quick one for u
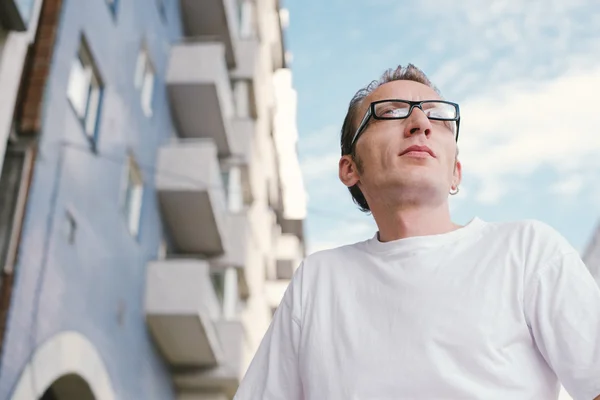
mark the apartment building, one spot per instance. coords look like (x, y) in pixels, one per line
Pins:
(156, 200)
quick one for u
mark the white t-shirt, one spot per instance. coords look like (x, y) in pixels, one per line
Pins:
(489, 311)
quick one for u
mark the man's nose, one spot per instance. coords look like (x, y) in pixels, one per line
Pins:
(417, 122)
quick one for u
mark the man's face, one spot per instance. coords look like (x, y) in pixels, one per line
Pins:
(385, 169)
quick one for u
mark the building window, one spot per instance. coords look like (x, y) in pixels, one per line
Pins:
(11, 179)
(134, 191)
(144, 81)
(85, 90)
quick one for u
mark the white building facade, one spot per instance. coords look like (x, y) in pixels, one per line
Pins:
(158, 208)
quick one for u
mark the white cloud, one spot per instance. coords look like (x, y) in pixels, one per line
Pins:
(496, 41)
(506, 135)
(457, 200)
(320, 167)
(509, 134)
(321, 140)
(319, 154)
(570, 186)
(489, 193)
(448, 71)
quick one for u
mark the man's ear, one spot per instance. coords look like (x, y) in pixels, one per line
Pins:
(348, 172)
(457, 174)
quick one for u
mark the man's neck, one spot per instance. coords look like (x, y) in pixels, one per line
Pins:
(405, 222)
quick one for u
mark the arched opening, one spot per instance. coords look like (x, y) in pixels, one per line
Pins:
(66, 366)
(69, 387)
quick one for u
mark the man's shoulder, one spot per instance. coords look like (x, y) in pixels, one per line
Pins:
(529, 229)
(332, 259)
(336, 253)
(532, 238)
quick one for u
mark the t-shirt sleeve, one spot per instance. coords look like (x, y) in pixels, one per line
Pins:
(563, 312)
(273, 373)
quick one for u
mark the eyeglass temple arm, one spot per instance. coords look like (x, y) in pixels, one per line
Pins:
(361, 125)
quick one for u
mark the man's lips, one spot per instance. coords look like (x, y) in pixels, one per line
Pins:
(418, 149)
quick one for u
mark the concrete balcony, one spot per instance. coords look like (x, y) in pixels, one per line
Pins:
(285, 268)
(248, 70)
(289, 254)
(200, 92)
(292, 226)
(239, 232)
(277, 44)
(236, 257)
(216, 18)
(244, 131)
(180, 307)
(192, 198)
(271, 32)
(227, 375)
(248, 59)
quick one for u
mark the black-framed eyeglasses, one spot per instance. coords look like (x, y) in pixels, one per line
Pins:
(437, 110)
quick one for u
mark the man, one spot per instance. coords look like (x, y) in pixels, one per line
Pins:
(427, 309)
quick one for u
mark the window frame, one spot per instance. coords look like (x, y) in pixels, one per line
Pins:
(86, 95)
(133, 197)
(145, 88)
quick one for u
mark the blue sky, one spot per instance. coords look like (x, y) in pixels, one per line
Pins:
(527, 77)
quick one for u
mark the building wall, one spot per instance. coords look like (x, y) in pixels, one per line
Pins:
(294, 197)
(267, 179)
(79, 267)
(11, 69)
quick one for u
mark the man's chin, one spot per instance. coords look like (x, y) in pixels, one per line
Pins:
(412, 180)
